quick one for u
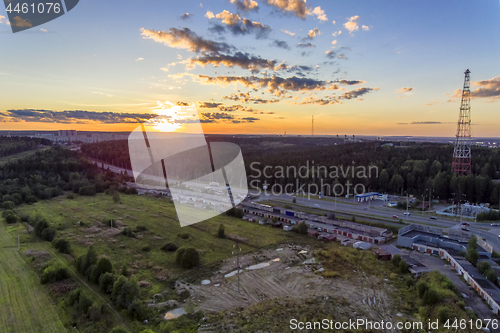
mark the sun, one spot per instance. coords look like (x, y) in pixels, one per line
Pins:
(165, 126)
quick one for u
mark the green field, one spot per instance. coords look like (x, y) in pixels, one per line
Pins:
(24, 305)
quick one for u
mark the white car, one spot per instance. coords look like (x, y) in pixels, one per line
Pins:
(316, 205)
(406, 213)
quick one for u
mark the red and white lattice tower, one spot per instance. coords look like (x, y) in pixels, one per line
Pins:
(462, 153)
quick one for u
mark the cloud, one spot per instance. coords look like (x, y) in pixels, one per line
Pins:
(432, 103)
(313, 33)
(334, 42)
(288, 32)
(247, 98)
(246, 5)
(320, 14)
(304, 45)
(208, 105)
(281, 44)
(330, 54)
(19, 22)
(186, 16)
(211, 117)
(239, 59)
(275, 85)
(336, 33)
(487, 88)
(423, 123)
(333, 22)
(351, 82)
(74, 116)
(351, 25)
(403, 90)
(242, 26)
(209, 15)
(43, 30)
(139, 59)
(228, 108)
(356, 93)
(2, 19)
(365, 28)
(185, 39)
(296, 7)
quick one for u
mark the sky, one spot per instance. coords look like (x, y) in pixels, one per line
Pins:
(256, 66)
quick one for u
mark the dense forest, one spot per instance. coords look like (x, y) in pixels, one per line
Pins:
(18, 144)
(398, 168)
(48, 173)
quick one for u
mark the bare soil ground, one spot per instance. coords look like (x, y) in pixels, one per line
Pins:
(289, 278)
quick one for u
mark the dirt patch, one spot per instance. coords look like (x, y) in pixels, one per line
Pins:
(286, 277)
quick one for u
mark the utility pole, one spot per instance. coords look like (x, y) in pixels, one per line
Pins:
(430, 200)
(406, 203)
(238, 263)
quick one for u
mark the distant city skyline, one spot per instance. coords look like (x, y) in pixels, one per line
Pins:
(257, 67)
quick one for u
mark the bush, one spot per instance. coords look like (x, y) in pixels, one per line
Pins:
(146, 248)
(483, 267)
(53, 273)
(106, 282)
(40, 226)
(87, 190)
(95, 312)
(11, 217)
(302, 228)
(431, 297)
(131, 190)
(183, 235)
(403, 267)
(220, 232)
(128, 232)
(491, 275)
(62, 245)
(187, 257)
(169, 247)
(74, 296)
(136, 310)
(48, 234)
(125, 291)
(70, 196)
(84, 304)
(119, 329)
(116, 197)
(236, 212)
(396, 259)
(8, 205)
(141, 228)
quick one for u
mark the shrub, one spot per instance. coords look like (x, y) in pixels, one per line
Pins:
(106, 282)
(141, 228)
(48, 234)
(119, 329)
(187, 257)
(220, 232)
(431, 296)
(116, 197)
(169, 247)
(443, 313)
(53, 273)
(70, 196)
(84, 304)
(87, 190)
(491, 275)
(483, 267)
(403, 267)
(183, 235)
(95, 312)
(131, 190)
(422, 287)
(40, 226)
(302, 228)
(146, 248)
(8, 205)
(125, 291)
(128, 232)
(74, 296)
(62, 245)
(11, 218)
(136, 310)
(396, 259)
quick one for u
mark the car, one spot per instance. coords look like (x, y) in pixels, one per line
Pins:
(394, 216)
(495, 224)
(433, 218)
(465, 229)
(465, 224)
(316, 205)
(407, 213)
(320, 229)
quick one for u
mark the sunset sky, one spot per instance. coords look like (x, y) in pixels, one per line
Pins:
(257, 66)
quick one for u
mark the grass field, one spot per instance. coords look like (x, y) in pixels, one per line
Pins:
(24, 305)
(80, 221)
(6, 159)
